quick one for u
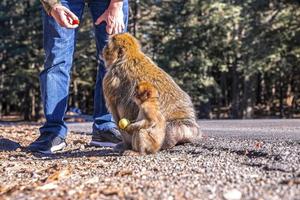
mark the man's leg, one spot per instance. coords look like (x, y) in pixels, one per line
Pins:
(59, 46)
(105, 132)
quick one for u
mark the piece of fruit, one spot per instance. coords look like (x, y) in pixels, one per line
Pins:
(75, 21)
(123, 123)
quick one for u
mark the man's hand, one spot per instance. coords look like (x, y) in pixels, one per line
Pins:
(113, 17)
(64, 17)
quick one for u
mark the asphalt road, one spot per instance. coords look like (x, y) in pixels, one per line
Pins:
(288, 129)
(237, 159)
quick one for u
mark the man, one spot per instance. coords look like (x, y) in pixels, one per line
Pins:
(60, 30)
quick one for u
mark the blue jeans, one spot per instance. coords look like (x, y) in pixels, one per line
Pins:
(59, 45)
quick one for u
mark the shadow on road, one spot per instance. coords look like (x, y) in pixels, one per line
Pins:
(77, 153)
(8, 145)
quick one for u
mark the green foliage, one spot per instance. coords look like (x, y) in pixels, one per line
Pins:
(228, 54)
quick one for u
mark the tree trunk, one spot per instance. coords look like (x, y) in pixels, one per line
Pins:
(27, 106)
(290, 100)
(33, 102)
(281, 97)
(249, 96)
(135, 16)
(223, 98)
(235, 102)
(75, 94)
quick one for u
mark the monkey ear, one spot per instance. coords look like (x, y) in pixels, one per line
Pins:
(121, 52)
(148, 93)
(112, 37)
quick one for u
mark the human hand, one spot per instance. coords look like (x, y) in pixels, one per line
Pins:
(64, 17)
(113, 17)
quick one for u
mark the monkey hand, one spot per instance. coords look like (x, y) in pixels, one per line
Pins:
(123, 123)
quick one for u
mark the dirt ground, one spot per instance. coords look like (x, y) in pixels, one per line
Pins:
(217, 168)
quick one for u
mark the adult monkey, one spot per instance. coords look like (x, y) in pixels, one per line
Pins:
(128, 66)
(60, 30)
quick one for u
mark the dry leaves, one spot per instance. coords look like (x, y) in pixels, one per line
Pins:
(7, 189)
(113, 191)
(49, 186)
(233, 194)
(93, 158)
(59, 174)
(75, 142)
(125, 172)
(258, 145)
(291, 182)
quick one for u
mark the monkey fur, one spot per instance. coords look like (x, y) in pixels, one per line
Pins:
(149, 129)
(127, 66)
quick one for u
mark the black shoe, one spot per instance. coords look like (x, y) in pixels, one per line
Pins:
(47, 143)
(107, 138)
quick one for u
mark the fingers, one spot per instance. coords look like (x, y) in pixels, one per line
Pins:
(61, 21)
(123, 27)
(101, 19)
(70, 14)
(120, 28)
(70, 17)
(113, 23)
(114, 27)
(109, 29)
(66, 21)
(117, 28)
(64, 17)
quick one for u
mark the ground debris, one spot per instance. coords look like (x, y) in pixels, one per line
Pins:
(59, 174)
(233, 194)
(48, 186)
(291, 182)
(124, 172)
(113, 191)
(218, 168)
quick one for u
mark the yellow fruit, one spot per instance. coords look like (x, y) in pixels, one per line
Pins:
(123, 123)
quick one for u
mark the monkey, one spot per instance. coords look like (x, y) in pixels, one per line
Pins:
(148, 131)
(127, 66)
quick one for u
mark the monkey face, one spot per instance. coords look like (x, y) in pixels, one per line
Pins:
(119, 47)
(144, 91)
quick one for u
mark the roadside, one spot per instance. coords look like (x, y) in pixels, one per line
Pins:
(253, 159)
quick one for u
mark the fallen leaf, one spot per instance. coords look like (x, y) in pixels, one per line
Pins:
(58, 175)
(258, 144)
(294, 182)
(75, 142)
(82, 147)
(93, 158)
(291, 182)
(8, 189)
(92, 180)
(125, 172)
(49, 186)
(233, 194)
(112, 191)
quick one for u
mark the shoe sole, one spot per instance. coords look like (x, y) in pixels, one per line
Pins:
(54, 148)
(102, 144)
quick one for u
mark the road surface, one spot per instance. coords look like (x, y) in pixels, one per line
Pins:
(288, 129)
(237, 159)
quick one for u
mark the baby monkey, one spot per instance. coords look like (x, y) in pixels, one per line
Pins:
(149, 129)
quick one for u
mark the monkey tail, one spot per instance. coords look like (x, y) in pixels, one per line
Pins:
(181, 131)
